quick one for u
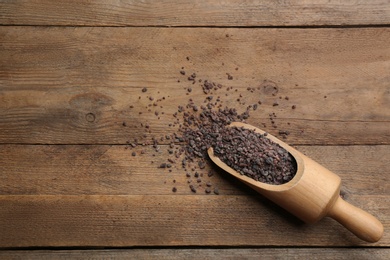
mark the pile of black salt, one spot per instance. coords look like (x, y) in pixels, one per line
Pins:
(246, 151)
(254, 155)
(204, 124)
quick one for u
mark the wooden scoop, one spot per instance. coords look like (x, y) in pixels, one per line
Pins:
(312, 194)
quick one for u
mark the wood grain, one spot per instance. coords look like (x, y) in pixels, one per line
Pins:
(71, 75)
(112, 170)
(74, 195)
(76, 85)
(199, 13)
(185, 220)
(209, 253)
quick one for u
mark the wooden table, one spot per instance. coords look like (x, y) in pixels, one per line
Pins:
(71, 104)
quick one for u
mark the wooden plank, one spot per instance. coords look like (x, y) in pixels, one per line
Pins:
(199, 13)
(168, 220)
(112, 170)
(76, 219)
(76, 85)
(209, 253)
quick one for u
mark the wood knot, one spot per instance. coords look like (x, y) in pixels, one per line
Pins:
(90, 117)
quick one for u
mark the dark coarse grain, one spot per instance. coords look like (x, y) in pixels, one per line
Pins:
(200, 131)
(162, 166)
(201, 125)
(254, 155)
(193, 189)
(247, 152)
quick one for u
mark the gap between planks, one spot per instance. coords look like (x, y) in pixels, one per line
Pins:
(204, 253)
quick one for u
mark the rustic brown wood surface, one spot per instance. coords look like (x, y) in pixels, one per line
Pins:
(71, 103)
(104, 169)
(231, 253)
(196, 13)
(53, 78)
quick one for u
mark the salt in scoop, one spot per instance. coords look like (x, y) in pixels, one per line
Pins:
(313, 193)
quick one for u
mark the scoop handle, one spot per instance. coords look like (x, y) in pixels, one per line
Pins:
(364, 225)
